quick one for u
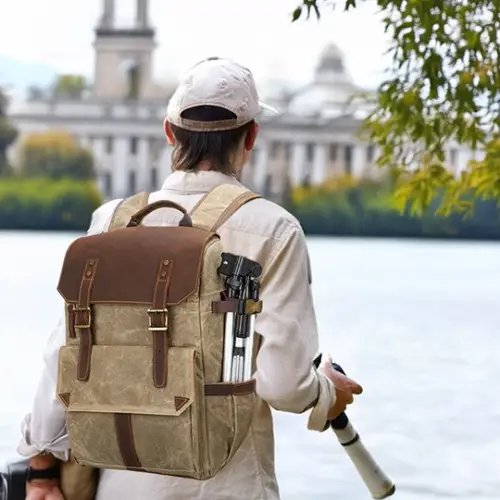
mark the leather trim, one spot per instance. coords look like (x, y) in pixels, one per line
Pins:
(128, 268)
(125, 437)
(228, 389)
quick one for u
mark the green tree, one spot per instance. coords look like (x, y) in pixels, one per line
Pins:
(8, 134)
(443, 84)
(69, 87)
(35, 93)
(55, 155)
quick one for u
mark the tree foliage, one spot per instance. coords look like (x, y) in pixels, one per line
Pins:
(55, 155)
(64, 87)
(36, 93)
(442, 87)
(71, 87)
(8, 134)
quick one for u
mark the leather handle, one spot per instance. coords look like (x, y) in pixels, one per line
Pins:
(136, 219)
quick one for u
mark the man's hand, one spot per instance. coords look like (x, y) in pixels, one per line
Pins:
(43, 490)
(345, 389)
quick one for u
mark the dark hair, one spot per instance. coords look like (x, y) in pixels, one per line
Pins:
(191, 148)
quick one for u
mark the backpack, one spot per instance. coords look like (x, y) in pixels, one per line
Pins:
(140, 373)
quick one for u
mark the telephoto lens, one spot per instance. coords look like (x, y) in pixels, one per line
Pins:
(13, 481)
(3, 487)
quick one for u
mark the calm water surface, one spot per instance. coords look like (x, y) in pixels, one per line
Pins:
(416, 323)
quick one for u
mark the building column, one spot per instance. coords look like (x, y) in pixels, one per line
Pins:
(260, 168)
(85, 142)
(143, 165)
(100, 164)
(319, 168)
(297, 164)
(247, 174)
(463, 158)
(164, 163)
(142, 14)
(120, 167)
(358, 160)
(108, 15)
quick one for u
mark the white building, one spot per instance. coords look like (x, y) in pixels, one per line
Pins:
(313, 138)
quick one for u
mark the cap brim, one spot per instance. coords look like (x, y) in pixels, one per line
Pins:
(267, 107)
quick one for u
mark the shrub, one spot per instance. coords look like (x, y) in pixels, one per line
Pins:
(44, 204)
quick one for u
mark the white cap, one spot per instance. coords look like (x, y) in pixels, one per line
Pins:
(216, 82)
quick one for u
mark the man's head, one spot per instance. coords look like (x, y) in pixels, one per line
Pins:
(211, 117)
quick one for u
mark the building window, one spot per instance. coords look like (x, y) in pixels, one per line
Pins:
(333, 152)
(132, 182)
(310, 152)
(108, 184)
(288, 151)
(370, 153)
(273, 150)
(133, 81)
(133, 145)
(254, 156)
(453, 157)
(348, 159)
(268, 186)
(154, 178)
(155, 147)
(109, 145)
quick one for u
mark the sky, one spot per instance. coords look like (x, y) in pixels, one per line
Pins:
(258, 33)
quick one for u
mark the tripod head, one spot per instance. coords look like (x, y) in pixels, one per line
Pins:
(237, 270)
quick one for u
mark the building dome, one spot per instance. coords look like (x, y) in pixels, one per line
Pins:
(331, 59)
(331, 88)
(330, 69)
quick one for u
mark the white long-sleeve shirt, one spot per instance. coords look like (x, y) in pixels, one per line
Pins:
(285, 379)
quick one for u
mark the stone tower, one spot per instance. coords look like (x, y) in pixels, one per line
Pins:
(124, 56)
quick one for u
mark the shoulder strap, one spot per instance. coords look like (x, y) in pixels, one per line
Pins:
(126, 208)
(218, 205)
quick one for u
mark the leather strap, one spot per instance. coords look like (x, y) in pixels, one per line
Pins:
(83, 319)
(228, 389)
(158, 324)
(71, 321)
(125, 438)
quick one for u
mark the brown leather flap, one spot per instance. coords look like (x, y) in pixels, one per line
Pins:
(128, 263)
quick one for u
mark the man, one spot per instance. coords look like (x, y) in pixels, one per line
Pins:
(211, 124)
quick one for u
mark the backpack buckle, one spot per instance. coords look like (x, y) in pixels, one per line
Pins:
(85, 319)
(161, 317)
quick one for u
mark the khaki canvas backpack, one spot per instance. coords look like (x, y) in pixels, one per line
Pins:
(140, 374)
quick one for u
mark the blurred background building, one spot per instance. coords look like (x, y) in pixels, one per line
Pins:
(120, 118)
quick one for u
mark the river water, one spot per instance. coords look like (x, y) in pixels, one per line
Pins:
(416, 323)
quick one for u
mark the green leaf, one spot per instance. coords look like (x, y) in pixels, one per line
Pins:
(442, 87)
(296, 14)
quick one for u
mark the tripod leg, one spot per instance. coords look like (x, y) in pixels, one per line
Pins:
(228, 348)
(247, 372)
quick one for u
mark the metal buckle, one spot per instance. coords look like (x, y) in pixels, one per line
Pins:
(87, 310)
(152, 328)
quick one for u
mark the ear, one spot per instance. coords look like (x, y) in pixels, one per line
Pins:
(168, 132)
(251, 136)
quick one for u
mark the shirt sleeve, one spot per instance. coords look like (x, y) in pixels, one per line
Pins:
(285, 377)
(44, 429)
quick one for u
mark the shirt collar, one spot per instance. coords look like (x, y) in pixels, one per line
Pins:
(197, 182)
